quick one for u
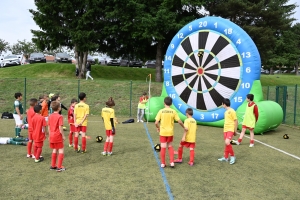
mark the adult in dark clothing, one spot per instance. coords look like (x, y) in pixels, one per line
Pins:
(88, 71)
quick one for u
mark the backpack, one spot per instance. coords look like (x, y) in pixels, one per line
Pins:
(7, 115)
(128, 121)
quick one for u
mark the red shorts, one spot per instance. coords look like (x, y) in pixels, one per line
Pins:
(109, 133)
(228, 135)
(188, 144)
(80, 129)
(39, 144)
(246, 127)
(165, 139)
(72, 128)
(59, 145)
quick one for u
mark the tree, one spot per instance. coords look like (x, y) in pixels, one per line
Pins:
(4, 46)
(23, 47)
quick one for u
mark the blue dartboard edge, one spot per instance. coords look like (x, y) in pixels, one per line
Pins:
(236, 42)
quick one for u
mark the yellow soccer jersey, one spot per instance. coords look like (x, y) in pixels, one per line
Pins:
(81, 109)
(191, 125)
(106, 114)
(229, 117)
(166, 116)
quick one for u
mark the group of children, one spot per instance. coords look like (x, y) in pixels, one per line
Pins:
(42, 126)
(164, 122)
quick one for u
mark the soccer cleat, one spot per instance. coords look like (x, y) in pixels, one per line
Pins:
(141, 121)
(172, 165)
(232, 160)
(109, 153)
(234, 142)
(61, 169)
(178, 160)
(251, 145)
(191, 163)
(39, 160)
(28, 156)
(137, 121)
(223, 159)
(70, 145)
(162, 165)
(104, 153)
(78, 150)
(53, 168)
(84, 151)
(32, 156)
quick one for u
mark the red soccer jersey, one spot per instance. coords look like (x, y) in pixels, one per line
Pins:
(30, 115)
(38, 126)
(71, 115)
(54, 122)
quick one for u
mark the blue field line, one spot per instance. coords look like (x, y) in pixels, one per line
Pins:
(168, 189)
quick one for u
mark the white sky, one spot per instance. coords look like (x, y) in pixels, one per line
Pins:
(16, 20)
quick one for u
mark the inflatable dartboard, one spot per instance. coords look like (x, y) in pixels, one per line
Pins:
(208, 60)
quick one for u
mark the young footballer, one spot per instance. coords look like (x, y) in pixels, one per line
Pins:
(141, 107)
(56, 137)
(164, 122)
(44, 103)
(108, 116)
(189, 137)
(30, 114)
(71, 121)
(81, 112)
(39, 133)
(250, 119)
(230, 129)
(18, 113)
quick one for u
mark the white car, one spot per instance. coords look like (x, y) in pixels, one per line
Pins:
(10, 60)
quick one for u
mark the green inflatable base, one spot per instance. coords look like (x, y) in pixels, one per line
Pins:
(270, 112)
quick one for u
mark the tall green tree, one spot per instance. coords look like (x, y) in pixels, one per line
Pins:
(4, 46)
(23, 47)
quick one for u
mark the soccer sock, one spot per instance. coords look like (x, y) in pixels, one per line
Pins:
(35, 151)
(29, 147)
(162, 155)
(18, 131)
(230, 150)
(75, 143)
(83, 141)
(53, 159)
(180, 151)
(226, 152)
(105, 146)
(240, 140)
(71, 137)
(60, 160)
(171, 154)
(251, 141)
(38, 153)
(111, 144)
(192, 155)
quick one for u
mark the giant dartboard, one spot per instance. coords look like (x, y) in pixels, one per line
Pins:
(208, 60)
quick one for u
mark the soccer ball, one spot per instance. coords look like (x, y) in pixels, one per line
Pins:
(64, 128)
(285, 136)
(157, 147)
(99, 138)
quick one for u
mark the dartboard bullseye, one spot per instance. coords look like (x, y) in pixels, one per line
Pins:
(208, 60)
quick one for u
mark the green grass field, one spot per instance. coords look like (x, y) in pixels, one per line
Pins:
(133, 171)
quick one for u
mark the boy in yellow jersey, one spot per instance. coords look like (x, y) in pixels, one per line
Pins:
(230, 129)
(250, 119)
(81, 112)
(108, 116)
(164, 122)
(189, 137)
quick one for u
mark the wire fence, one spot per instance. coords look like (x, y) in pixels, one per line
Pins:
(125, 93)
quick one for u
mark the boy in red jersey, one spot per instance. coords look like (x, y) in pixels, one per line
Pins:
(250, 119)
(30, 115)
(164, 122)
(230, 129)
(71, 121)
(108, 116)
(39, 133)
(189, 137)
(81, 112)
(56, 137)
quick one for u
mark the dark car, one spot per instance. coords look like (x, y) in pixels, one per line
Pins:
(37, 58)
(10, 60)
(150, 64)
(63, 58)
(113, 62)
(135, 63)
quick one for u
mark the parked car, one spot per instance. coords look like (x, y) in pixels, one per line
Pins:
(113, 62)
(63, 58)
(263, 71)
(277, 72)
(37, 58)
(150, 64)
(132, 63)
(10, 60)
(293, 71)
